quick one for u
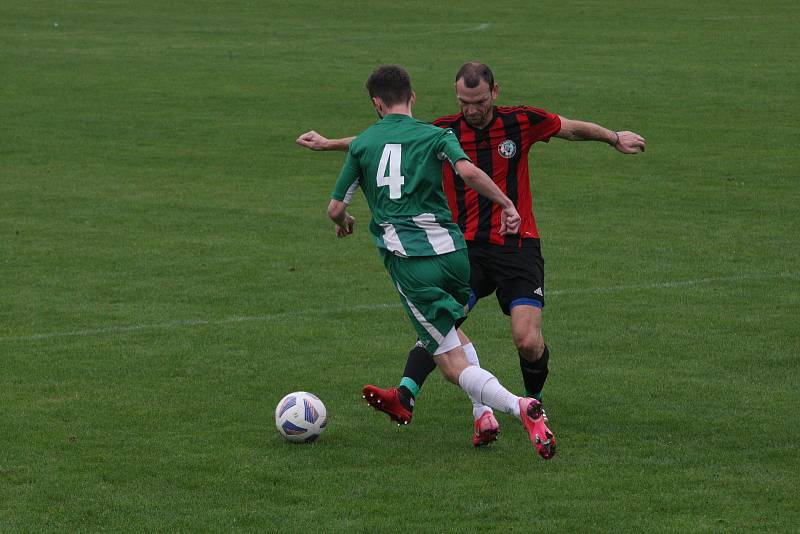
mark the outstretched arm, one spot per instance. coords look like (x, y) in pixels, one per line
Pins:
(315, 141)
(625, 142)
(479, 181)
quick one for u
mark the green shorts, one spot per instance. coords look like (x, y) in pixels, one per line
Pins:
(434, 291)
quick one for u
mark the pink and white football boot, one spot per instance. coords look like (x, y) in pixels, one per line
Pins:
(532, 416)
(486, 430)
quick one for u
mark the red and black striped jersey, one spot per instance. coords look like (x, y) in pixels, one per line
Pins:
(501, 151)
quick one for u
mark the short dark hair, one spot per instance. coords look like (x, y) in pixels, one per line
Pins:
(391, 83)
(473, 72)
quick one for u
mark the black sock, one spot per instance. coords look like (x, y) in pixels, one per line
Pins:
(534, 374)
(406, 398)
(418, 366)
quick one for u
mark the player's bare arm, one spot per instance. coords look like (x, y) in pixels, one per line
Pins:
(483, 185)
(624, 141)
(345, 223)
(315, 141)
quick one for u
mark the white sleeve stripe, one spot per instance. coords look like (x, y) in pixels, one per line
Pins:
(348, 196)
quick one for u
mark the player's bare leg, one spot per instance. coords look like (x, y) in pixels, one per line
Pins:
(534, 356)
(526, 330)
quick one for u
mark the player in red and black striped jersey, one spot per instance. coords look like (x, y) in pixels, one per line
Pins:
(498, 140)
(501, 147)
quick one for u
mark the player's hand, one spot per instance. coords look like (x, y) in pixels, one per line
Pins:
(313, 140)
(349, 226)
(630, 143)
(509, 221)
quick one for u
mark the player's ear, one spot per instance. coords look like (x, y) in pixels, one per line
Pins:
(378, 105)
(495, 91)
(413, 99)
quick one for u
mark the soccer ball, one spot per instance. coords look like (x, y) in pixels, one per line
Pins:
(301, 417)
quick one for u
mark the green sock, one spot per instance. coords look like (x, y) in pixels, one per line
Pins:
(410, 385)
(537, 396)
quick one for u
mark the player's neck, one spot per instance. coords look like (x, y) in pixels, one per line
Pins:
(398, 109)
(488, 121)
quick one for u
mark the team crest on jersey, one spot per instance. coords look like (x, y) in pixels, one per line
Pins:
(507, 149)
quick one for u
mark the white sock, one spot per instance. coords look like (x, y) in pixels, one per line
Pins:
(478, 409)
(482, 387)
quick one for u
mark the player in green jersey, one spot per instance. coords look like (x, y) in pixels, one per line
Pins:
(397, 164)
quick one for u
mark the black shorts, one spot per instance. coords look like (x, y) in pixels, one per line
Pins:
(516, 272)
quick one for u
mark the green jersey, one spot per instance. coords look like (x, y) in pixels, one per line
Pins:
(397, 162)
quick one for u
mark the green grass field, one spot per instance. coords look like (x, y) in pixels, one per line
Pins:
(167, 271)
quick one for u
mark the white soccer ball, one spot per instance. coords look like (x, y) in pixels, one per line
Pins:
(301, 417)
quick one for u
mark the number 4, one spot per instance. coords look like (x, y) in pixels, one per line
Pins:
(392, 154)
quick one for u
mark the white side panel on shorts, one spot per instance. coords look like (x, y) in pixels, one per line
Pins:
(435, 334)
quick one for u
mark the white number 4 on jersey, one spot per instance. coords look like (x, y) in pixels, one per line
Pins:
(392, 153)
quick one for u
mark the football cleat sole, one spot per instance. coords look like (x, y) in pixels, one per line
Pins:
(547, 447)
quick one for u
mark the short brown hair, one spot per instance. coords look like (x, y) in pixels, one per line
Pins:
(391, 83)
(473, 72)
